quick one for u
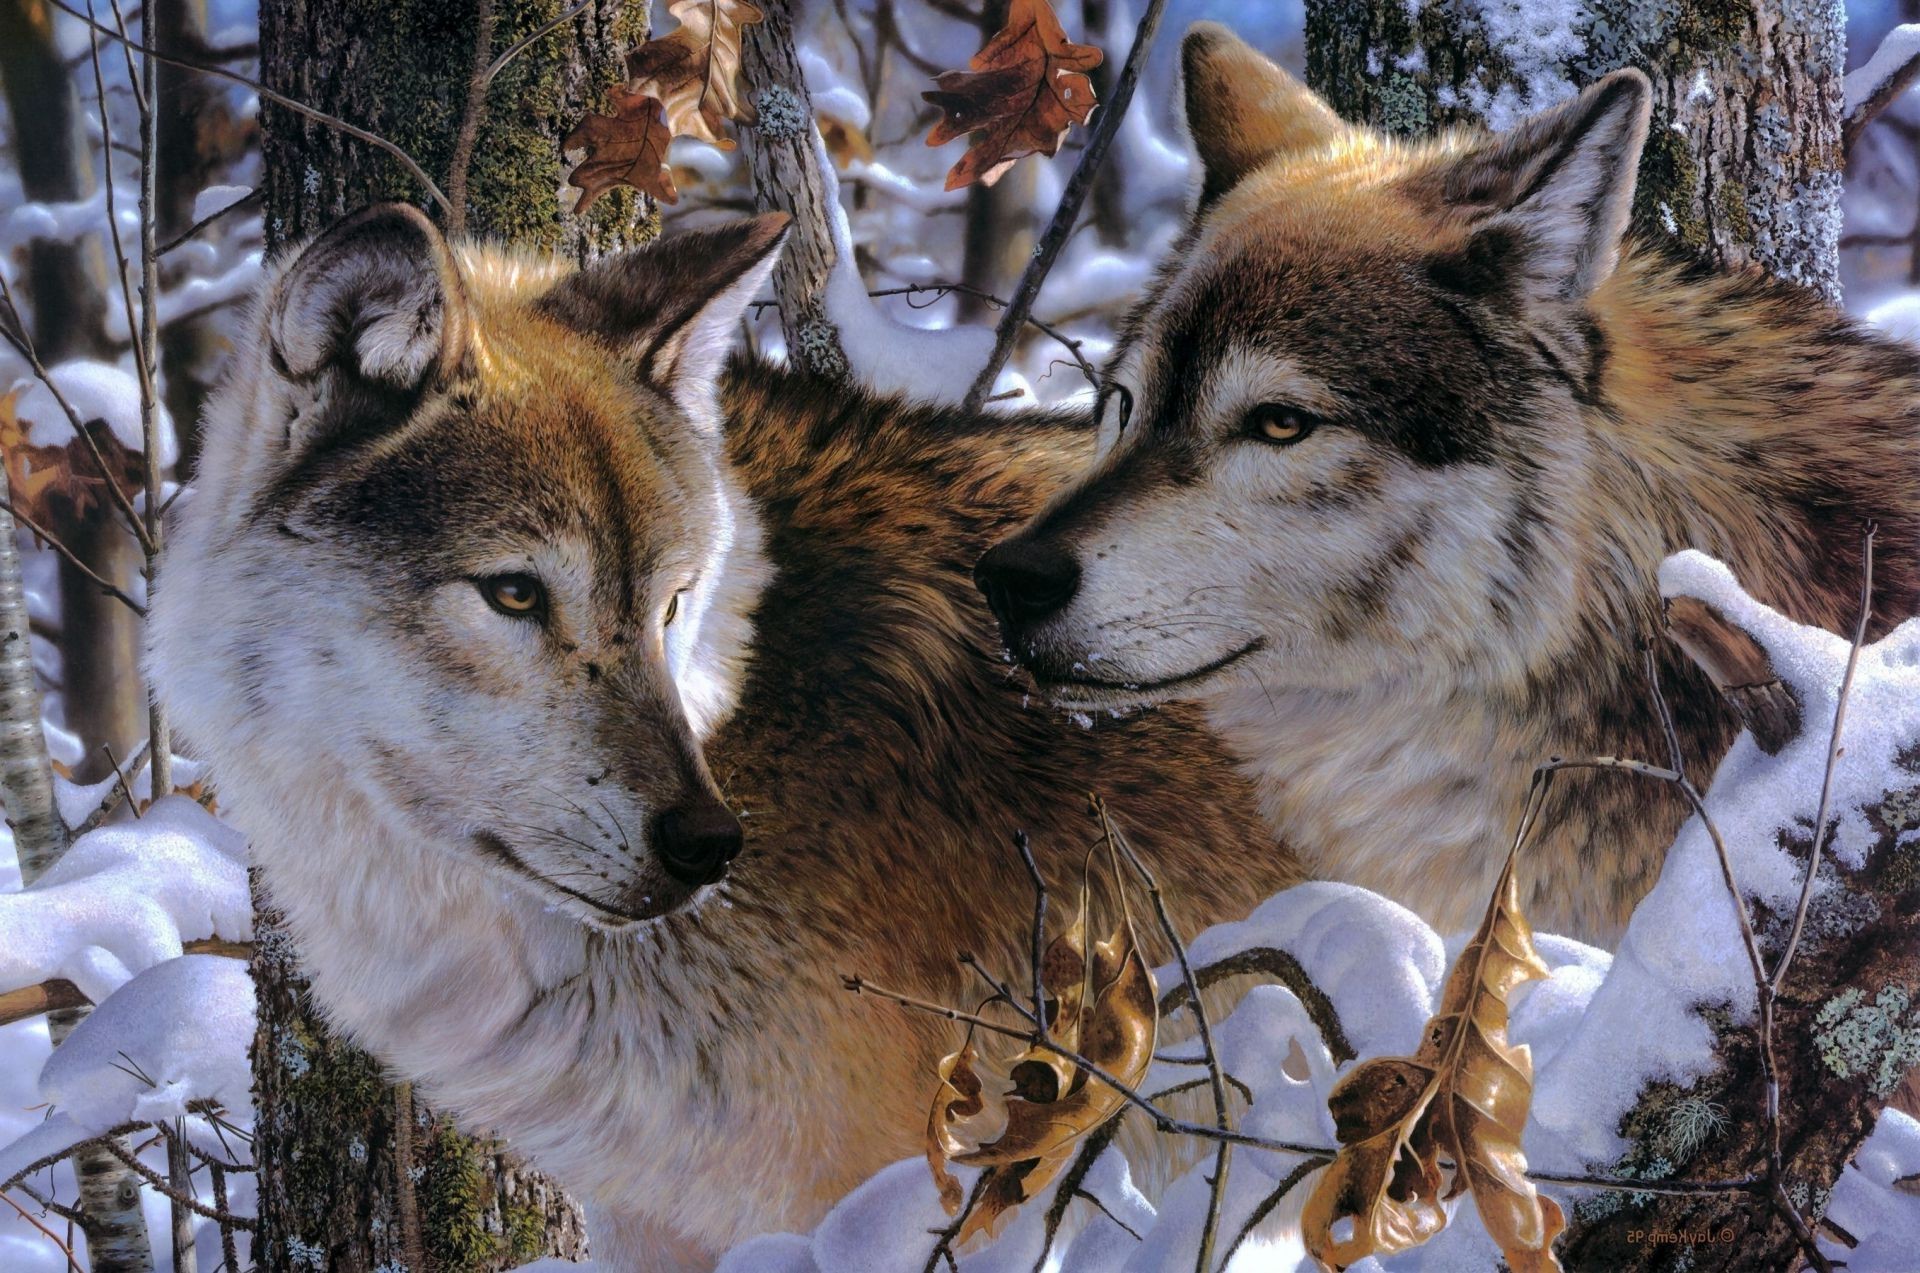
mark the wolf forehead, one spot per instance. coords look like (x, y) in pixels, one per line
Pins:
(539, 434)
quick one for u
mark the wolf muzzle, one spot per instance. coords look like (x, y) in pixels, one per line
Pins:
(1026, 582)
(696, 842)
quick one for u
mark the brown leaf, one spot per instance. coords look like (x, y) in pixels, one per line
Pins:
(627, 148)
(61, 484)
(1104, 1007)
(695, 70)
(1463, 1096)
(1026, 88)
(845, 143)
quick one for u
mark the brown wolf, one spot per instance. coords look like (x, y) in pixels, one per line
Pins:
(1388, 455)
(496, 638)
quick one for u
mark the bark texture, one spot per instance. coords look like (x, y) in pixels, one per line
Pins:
(1744, 158)
(784, 157)
(354, 1175)
(1845, 1035)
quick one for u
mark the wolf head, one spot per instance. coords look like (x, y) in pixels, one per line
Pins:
(1329, 436)
(462, 542)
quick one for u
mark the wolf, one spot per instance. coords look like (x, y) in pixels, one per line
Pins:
(592, 708)
(1388, 454)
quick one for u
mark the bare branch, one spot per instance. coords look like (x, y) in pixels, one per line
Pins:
(476, 111)
(1105, 128)
(1877, 84)
(180, 239)
(53, 541)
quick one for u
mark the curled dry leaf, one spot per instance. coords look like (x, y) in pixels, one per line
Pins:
(1026, 88)
(627, 148)
(1462, 1097)
(61, 483)
(1102, 1005)
(694, 70)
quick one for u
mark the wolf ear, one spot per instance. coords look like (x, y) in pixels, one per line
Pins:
(376, 295)
(671, 307)
(1561, 182)
(1242, 110)
(373, 311)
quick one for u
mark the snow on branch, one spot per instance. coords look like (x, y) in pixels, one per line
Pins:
(126, 897)
(1885, 76)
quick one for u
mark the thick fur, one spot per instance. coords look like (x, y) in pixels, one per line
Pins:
(1515, 417)
(452, 806)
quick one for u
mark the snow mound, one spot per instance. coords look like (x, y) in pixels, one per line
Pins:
(175, 1035)
(126, 897)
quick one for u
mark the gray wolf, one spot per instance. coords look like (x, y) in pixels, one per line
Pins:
(1388, 454)
(592, 709)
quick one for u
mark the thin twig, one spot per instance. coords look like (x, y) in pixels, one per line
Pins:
(121, 780)
(111, 800)
(476, 111)
(229, 1252)
(15, 331)
(1268, 1203)
(499, 64)
(943, 1249)
(334, 122)
(1025, 849)
(912, 290)
(73, 559)
(1105, 128)
(1223, 1157)
(158, 1183)
(66, 1248)
(1833, 756)
(180, 239)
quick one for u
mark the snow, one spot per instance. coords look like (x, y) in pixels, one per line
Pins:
(1901, 46)
(96, 391)
(125, 897)
(1600, 1027)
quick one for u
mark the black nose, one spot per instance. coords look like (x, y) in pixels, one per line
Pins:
(1026, 580)
(697, 841)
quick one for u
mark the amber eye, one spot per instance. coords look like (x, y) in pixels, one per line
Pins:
(516, 596)
(673, 610)
(1125, 395)
(1278, 424)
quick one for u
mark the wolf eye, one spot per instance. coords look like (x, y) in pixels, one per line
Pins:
(1278, 424)
(517, 596)
(1126, 404)
(673, 610)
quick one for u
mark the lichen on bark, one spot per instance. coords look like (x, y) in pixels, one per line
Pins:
(1743, 159)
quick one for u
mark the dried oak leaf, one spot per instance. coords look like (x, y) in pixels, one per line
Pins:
(694, 70)
(1102, 1004)
(1462, 1097)
(627, 148)
(1026, 88)
(62, 483)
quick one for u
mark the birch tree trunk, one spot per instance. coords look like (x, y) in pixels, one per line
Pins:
(354, 1174)
(100, 646)
(1744, 157)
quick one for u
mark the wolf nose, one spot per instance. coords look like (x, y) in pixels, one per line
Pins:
(696, 842)
(1026, 580)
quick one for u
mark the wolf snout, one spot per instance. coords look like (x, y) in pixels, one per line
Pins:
(697, 841)
(1026, 581)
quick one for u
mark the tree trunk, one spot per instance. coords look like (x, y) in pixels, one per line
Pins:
(1744, 157)
(353, 1174)
(784, 156)
(99, 642)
